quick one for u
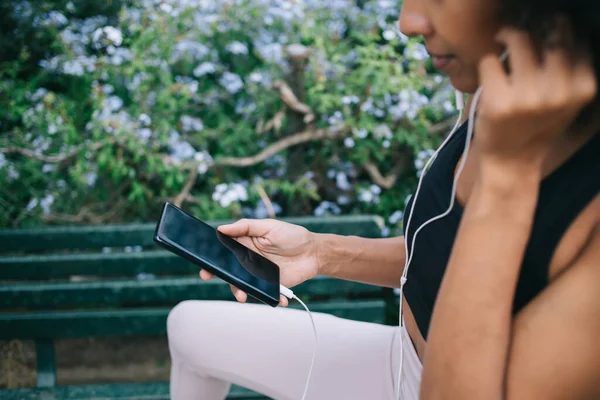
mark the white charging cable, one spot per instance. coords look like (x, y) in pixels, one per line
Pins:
(290, 295)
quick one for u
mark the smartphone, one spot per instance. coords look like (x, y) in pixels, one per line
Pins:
(201, 244)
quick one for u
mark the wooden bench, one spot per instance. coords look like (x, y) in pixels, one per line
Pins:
(40, 300)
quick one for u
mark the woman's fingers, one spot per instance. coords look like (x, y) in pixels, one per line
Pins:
(559, 71)
(585, 85)
(240, 295)
(495, 83)
(205, 275)
(283, 301)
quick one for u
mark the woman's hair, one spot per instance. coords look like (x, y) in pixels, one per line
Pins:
(541, 18)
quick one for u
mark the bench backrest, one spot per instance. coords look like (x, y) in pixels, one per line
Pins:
(113, 280)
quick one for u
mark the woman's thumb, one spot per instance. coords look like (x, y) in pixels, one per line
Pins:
(229, 229)
(245, 227)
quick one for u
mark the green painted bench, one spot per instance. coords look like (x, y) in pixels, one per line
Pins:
(39, 301)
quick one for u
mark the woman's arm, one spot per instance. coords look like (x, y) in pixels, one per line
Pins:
(555, 349)
(470, 333)
(550, 351)
(373, 261)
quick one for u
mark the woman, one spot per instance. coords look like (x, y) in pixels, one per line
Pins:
(513, 270)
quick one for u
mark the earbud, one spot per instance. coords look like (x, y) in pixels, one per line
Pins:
(460, 100)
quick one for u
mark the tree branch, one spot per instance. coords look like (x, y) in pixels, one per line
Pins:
(266, 200)
(54, 159)
(288, 97)
(185, 193)
(287, 142)
(442, 128)
(389, 181)
(274, 123)
(86, 215)
(372, 170)
(278, 146)
(385, 182)
(83, 215)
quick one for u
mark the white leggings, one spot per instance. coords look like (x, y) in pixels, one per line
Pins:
(269, 350)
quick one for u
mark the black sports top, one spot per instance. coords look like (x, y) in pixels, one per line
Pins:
(563, 195)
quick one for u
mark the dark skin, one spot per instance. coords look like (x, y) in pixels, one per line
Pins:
(476, 349)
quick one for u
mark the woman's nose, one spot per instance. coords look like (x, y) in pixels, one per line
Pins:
(413, 19)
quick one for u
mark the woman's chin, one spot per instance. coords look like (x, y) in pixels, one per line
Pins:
(466, 83)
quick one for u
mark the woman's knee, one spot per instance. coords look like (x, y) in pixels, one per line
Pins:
(179, 315)
(196, 330)
(195, 321)
(183, 331)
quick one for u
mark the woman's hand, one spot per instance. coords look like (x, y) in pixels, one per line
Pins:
(292, 247)
(522, 113)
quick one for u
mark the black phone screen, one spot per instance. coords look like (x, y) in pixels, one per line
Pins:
(220, 253)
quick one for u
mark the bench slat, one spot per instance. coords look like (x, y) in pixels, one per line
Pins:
(98, 236)
(143, 322)
(57, 266)
(121, 391)
(159, 291)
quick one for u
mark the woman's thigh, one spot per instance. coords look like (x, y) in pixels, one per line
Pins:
(269, 350)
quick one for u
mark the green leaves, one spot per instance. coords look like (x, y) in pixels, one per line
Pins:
(152, 93)
(137, 193)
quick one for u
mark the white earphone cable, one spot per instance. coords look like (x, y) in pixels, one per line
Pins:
(468, 139)
(461, 166)
(409, 255)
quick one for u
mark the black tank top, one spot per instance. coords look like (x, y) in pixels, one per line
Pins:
(562, 197)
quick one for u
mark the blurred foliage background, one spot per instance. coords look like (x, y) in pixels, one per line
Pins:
(230, 108)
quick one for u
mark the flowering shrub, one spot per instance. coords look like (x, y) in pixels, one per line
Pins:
(231, 108)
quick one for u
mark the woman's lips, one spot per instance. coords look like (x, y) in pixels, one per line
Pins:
(442, 63)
